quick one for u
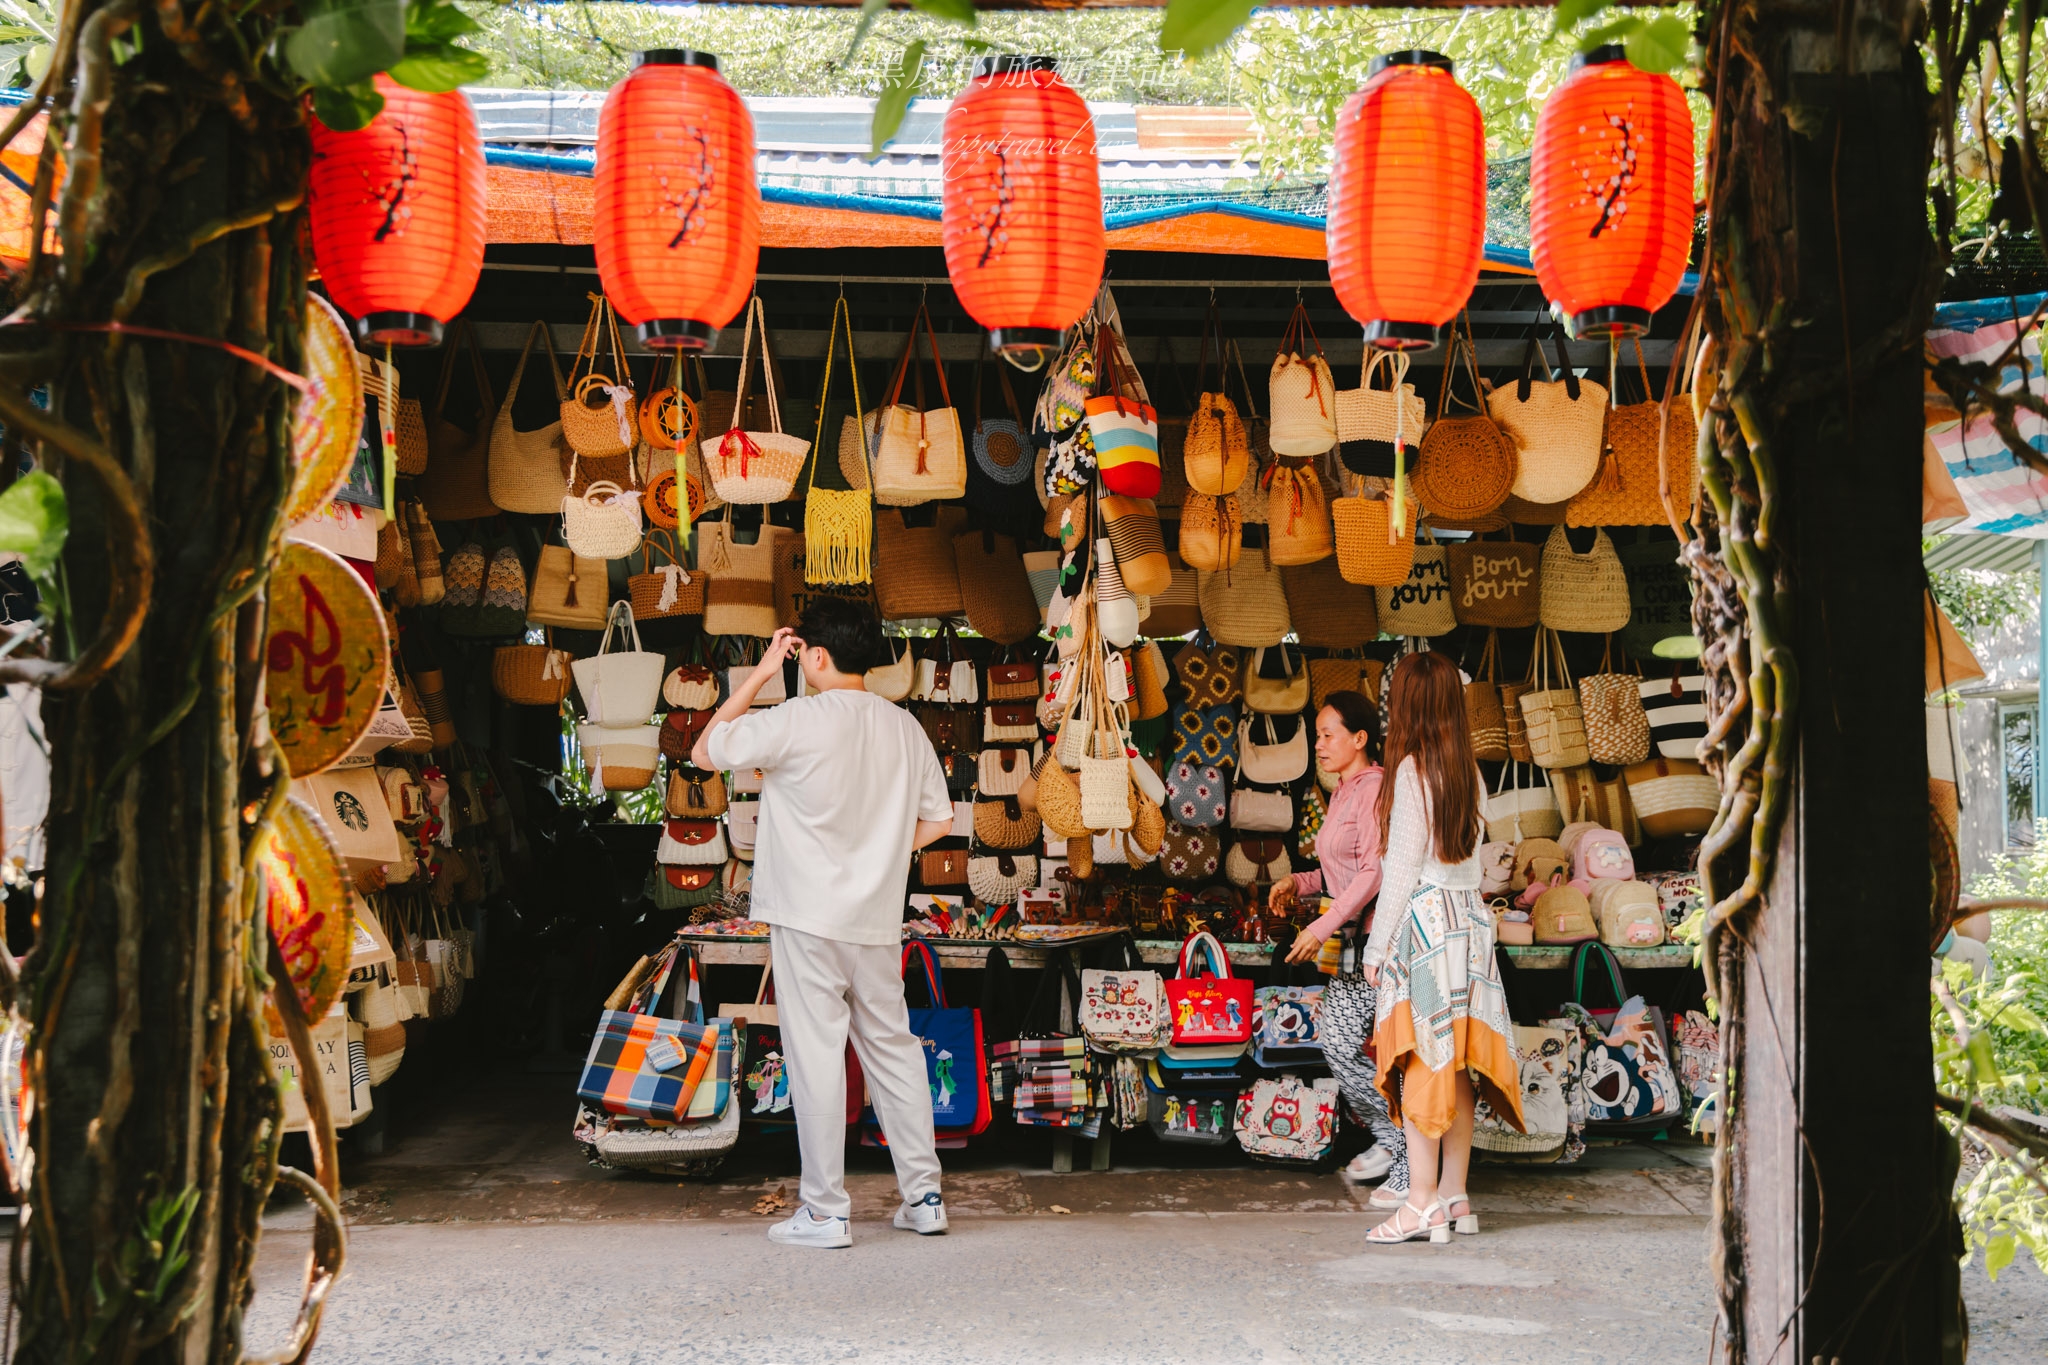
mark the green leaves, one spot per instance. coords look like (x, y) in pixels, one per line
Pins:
(953, 11)
(895, 98)
(1196, 27)
(348, 107)
(345, 42)
(1653, 43)
(433, 61)
(34, 520)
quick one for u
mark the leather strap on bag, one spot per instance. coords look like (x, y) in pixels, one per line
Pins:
(1461, 346)
(1534, 352)
(464, 335)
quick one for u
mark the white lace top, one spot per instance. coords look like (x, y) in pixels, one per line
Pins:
(1410, 861)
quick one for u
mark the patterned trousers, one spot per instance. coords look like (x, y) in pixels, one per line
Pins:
(1345, 1028)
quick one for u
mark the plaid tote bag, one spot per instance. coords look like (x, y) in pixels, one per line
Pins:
(644, 1066)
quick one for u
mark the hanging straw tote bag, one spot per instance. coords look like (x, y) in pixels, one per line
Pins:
(1123, 427)
(456, 485)
(755, 466)
(739, 598)
(526, 466)
(568, 590)
(995, 592)
(1515, 812)
(1556, 723)
(1421, 603)
(620, 686)
(1139, 546)
(1372, 548)
(600, 418)
(1211, 532)
(661, 591)
(604, 522)
(1328, 611)
(915, 572)
(1246, 606)
(1485, 719)
(1216, 454)
(1617, 728)
(531, 675)
(1298, 529)
(1583, 592)
(1557, 425)
(919, 456)
(1495, 582)
(839, 525)
(1300, 393)
(1372, 424)
(1651, 446)
(1467, 464)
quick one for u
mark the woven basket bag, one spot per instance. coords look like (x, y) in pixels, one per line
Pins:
(1298, 529)
(599, 415)
(412, 437)
(915, 571)
(1583, 592)
(1651, 446)
(669, 589)
(995, 591)
(1211, 532)
(1137, 543)
(1421, 603)
(456, 484)
(526, 466)
(1556, 425)
(1495, 582)
(1368, 550)
(1485, 718)
(1617, 729)
(740, 597)
(1328, 612)
(1246, 606)
(1557, 725)
(1467, 465)
(1343, 675)
(754, 465)
(531, 675)
(1301, 394)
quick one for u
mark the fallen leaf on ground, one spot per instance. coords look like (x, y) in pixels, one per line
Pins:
(1061, 1208)
(773, 1202)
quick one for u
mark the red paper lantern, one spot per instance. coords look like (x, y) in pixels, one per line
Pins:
(1022, 203)
(397, 212)
(1610, 182)
(678, 213)
(1407, 221)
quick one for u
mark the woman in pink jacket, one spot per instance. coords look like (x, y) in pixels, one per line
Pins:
(1348, 847)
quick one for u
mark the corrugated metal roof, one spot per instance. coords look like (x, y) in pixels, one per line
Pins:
(1982, 550)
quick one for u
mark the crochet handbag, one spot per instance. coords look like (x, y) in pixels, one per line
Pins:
(526, 466)
(1467, 463)
(1205, 736)
(919, 455)
(754, 466)
(1122, 425)
(1651, 447)
(1246, 606)
(1617, 728)
(603, 523)
(1197, 794)
(995, 590)
(839, 529)
(1328, 610)
(1495, 582)
(916, 574)
(1298, 529)
(1421, 604)
(1215, 453)
(1301, 394)
(1211, 532)
(1556, 725)
(1211, 675)
(1371, 547)
(1583, 592)
(1556, 425)
(1136, 543)
(599, 417)
(664, 590)
(1372, 423)
(740, 597)
(1002, 449)
(456, 484)
(1484, 719)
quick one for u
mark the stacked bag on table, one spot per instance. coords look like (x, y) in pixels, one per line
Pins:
(657, 1090)
(1048, 1074)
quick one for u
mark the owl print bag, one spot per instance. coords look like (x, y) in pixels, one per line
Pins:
(1287, 1119)
(1123, 1009)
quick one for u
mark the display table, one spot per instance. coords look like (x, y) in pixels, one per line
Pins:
(1546, 957)
(724, 951)
(973, 953)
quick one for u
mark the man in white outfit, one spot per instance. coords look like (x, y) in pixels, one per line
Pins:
(850, 789)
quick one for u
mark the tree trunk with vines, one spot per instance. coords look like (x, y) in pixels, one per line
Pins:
(1834, 1232)
(156, 1121)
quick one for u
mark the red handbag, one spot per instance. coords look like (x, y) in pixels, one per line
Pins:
(680, 730)
(1212, 1011)
(689, 878)
(693, 832)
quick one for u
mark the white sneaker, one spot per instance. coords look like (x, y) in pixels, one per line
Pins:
(926, 1218)
(1371, 1164)
(801, 1229)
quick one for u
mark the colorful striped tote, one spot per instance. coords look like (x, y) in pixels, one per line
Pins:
(645, 1067)
(1126, 435)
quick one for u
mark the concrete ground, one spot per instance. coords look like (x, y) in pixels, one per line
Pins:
(482, 1236)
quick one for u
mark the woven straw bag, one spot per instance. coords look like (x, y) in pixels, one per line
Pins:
(916, 574)
(1556, 425)
(1494, 582)
(740, 597)
(839, 528)
(1178, 610)
(1583, 592)
(1672, 796)
(568, 590)
(694, 795)
(1328, 612)
(1298, 527)
(1484, 717)
(1557, 725)
(919, 454)
(665, 590)
(754, 466)
(456, 484)
(531, 675)
(1373, 423)
(412, 438)
(1370, 549)
(1137, 543)
(1421, 603)
(604, 523)
(394, 566)
(1300, 393)
(1515, 812)
(1651, 448)
(599, 415)
(1246, 606)
(1343, 674)
(1617, 729)
(1216, 453)
(1467, 463)
(1211, 532)
(995, 592)
(526, 466)
(1511, 694)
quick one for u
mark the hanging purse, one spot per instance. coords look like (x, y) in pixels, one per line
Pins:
(1216, 454)
(1494, 582)
(1515, 812)
(568, 590)
(690, 686)
(894, 680)
(1125, 430)
(995, 591)
(1556, 425)
(1617, 729)
(1557, 727)
(1211, 532)
(603, 523)
(691, 843)
(599, 417)
(693, 795)
(1485, 721)
(1298, 529)
(1060, 420)
(1301, 394)
(839, 529)
(916, 575)
(526, 466)
(620, 687)
(1277, 762)
(1651, 447)
(1372, 548)
(1421, 605)
(665, 590)
(531, 675)
(755, 466)
(1285, 695)
(919, 455)
(1467, 464)
(740, 597)
(1372, 424)
(1002, 449)
(1587, 592)
(1247, 606)
(1328, 611)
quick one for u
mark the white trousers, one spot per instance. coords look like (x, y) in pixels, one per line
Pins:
(825, 992)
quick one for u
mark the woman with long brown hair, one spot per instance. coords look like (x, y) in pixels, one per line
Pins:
(1442, 1022)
